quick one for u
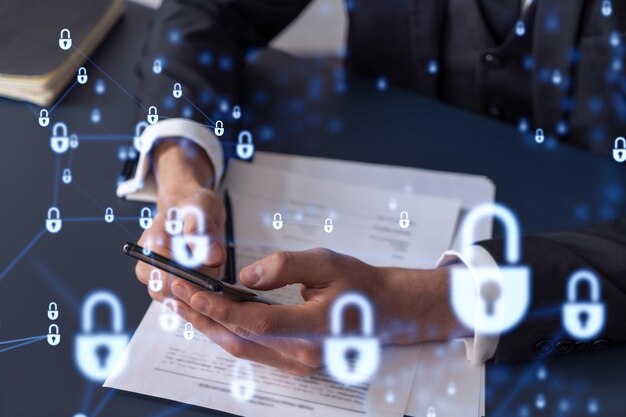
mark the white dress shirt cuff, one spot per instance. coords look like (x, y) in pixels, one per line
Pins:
(142, 187)
(481, 347)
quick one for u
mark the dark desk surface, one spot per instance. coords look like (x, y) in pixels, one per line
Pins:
(550, 187)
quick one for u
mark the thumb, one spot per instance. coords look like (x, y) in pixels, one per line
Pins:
(313, 268)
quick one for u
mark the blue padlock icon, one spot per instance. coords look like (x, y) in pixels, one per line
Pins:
(491, 300)
(191, 250)
(54, 337)
(97, 353)
(157, 67)
(67, 176)
(583, 319)
(539, 136)
(44, 118)
(81, 77)
(366, 348)
(59, 141)
(137, 139)
(245, 147)
(607, 8)
(236, 112)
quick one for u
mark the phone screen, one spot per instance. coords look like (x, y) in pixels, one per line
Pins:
(203, 281)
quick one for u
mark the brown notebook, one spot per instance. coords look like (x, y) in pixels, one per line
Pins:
(33, 67)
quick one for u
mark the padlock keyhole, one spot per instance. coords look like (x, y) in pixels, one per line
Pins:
(583, 317)
(102, 352)
(490, 292)
(351, 357)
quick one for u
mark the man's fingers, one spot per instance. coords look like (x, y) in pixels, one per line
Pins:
(313, 268)
(240, 347)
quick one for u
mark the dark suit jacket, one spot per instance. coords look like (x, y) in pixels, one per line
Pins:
(562, 73)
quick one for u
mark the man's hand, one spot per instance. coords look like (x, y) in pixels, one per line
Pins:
(184, 176)
(410, 306)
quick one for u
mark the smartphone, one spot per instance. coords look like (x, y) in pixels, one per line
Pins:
(199, 279)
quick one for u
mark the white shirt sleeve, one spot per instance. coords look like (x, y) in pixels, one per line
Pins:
(142, 187)
(480, 348)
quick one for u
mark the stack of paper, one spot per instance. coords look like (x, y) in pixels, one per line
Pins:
(364, 202)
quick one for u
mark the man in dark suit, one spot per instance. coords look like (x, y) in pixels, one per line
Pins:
(545, 64)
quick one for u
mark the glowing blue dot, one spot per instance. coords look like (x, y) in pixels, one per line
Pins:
(552, 23)
(187, 112)
(616, 64)
(205, 58)
(607, 8)
(522, 125)
(335, 126)
(593, 407)
(224, 105)
(169, 102)
(266, 133)
(581, 212)
(540, 401)
(225, 63)
(607, 212)
(542, 373)
(614, 39)
(595, 105)
(564, 405)
(556, 77)
(561, 127)
(520, 28)
(614, 193)
(100, 86)
(433, 67)
(381, 83)
(528, 62)
(174, 36)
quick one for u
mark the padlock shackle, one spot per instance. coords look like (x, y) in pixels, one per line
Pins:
(169, 303)
(82, 71)
(55, 327)
(278, 217)
(328, 222)
(188, 327)
(54, 210)
(146, 209)
(404, 215)
(155, 274)
(244, 134)
(587, 276)
(175, 212)
(139, 128)
(150, 110)
(360, 302)
(52, 303)
(178, 87)
(57, 126)
(219, 124)
(108, 210)
(509, 222)
(248, 372)
(42, 111)
(65, 31)
(106, 297)
(195, 211)
(618, 140)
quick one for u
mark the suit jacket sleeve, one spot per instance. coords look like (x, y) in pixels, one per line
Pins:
(552, 259)
(202, 45)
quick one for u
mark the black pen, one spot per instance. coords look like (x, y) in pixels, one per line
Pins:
(231, 271)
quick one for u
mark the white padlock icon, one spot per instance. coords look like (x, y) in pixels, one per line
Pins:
(583, 319)
(145, 220)
(54, 337)
(97, 353)
(44, 118)
(67, 176)
(74, 141)
(619, 152)
(81, 77)
(59, 141)
(219, 128)
(243, 386)
(137, 139)
(365, 348)
(53, 311)
(245, 147)
(169, 318)
(191, 250)
(157, 67)
(404, 221)
(491, 300)
(177, 91)
(53, 221)
(236, 112)
(65, 39)
(108, 215)
(607, 8)
(277, 223)
(153, 115)
(539, 136)
(173, 221)
(188, 333)
(430, 412)
(328, 225)
(155, 283)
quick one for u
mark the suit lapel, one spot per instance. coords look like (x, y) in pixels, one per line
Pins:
(555, 37)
